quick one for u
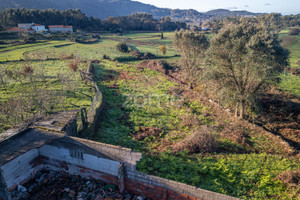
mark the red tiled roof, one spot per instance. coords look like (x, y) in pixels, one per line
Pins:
(16, 29)
(59, 26)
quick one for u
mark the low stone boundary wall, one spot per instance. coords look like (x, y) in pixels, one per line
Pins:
(162, 189)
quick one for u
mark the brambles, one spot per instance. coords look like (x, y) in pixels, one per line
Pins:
(122, 47)
(200, 141)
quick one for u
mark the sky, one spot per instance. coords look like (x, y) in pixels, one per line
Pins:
(266, 6)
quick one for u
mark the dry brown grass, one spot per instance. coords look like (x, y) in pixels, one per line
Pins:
(74, 65)
(290, 178)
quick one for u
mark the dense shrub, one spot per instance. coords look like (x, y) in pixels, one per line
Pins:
(122, 47)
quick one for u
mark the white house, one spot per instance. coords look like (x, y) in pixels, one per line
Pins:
(27, 27)
(38, 27)
(60, 29)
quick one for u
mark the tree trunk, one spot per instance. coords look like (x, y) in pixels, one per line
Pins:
(236, 110)
(242, 109)
(190, 85)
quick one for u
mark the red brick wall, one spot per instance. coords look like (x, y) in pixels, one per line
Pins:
(154, 192)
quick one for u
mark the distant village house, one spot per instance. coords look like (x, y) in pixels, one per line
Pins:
(60, 29)
(39, 28)
(21, 28)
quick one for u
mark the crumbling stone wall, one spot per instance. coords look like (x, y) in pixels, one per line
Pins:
(94, 112)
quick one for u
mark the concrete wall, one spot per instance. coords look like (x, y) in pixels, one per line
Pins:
(3, 188)
(39, 28)
(76, 158)
(24, 26)
(20, 169)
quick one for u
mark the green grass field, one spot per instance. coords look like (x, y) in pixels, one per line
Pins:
(290, 82)
(293, 44)
(139, 97)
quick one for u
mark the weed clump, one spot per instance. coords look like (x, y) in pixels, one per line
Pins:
(74, 65)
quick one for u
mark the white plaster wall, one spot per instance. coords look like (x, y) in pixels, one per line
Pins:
(19, 169)
(39, 28)
(88, 161)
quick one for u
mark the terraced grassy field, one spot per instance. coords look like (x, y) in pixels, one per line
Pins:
(153, 113)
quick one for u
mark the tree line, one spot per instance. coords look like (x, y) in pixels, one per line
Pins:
(274, 21)
(136, 21)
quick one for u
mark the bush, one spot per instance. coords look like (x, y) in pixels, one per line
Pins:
(74, 65)
(294, 31)
(122, 47)
(106, 57)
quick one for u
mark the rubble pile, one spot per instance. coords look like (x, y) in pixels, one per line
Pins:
(51, 185)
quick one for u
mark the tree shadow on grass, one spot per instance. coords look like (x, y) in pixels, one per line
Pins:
(124, 59)
(62, 45)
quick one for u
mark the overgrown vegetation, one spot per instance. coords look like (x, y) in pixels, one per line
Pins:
(183, 135)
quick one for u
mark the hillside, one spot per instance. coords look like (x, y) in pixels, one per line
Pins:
(105, 8)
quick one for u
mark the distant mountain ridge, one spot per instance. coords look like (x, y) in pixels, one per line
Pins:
(105, 8)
